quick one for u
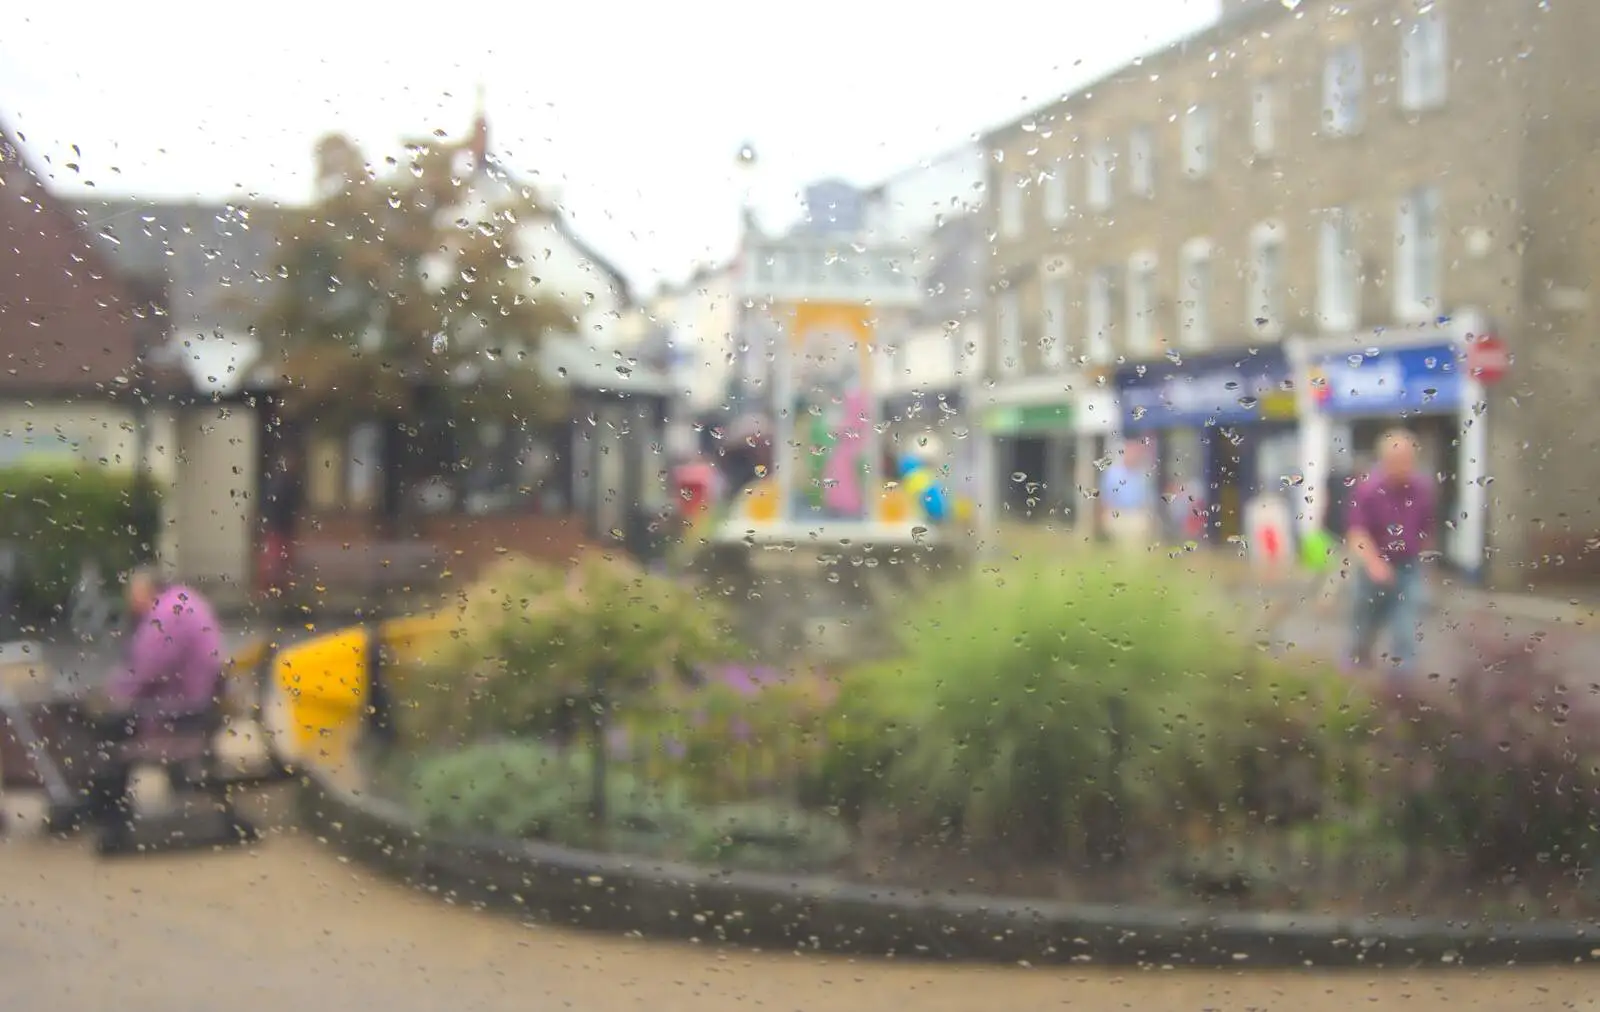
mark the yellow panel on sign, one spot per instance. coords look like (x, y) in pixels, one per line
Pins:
(853, 322)
(894, 506)
(761, 502)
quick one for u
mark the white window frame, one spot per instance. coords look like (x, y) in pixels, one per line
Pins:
(1008, 330)
(1418, 256)
(1199, 141)
(1009, 206)
(1265, 306)
(1143, 301)
(1100, 315)
(1055, 308)
(1054, 187)
(1142, 161)
(1424, 60)
(1264, 116)
(1102, 165)
(1343, 90)
(1338, 272)
(1196, 290)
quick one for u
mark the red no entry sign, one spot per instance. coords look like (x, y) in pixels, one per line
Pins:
(1488, 359)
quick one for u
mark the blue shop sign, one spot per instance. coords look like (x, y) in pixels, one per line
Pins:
(1234, 389)
(1394, 381)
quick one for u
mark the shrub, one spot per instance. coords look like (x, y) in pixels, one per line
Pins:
(1501, 760)
(526, 790)
(63, 515)
(539, 648)
(734, 731)
(1050, 708)
(859, 740)
(762, 836)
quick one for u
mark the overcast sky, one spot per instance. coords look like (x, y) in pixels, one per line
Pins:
(632, 111)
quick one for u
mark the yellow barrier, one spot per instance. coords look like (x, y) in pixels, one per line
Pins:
(325, 681)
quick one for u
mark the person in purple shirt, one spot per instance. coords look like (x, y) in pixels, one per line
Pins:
(169, 679)
(1389, 524)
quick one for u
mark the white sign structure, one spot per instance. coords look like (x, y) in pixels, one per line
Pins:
(830, 269)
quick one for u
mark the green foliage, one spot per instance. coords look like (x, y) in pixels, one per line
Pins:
(1054, 708)
(525, 790)
(400, 273)
(763, 836)
(861, 738)
(540, 647)
(734, 733)
(62, 515)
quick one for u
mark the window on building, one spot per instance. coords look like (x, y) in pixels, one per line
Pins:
(1102, 164)
(1100, 314)
(512, 468)
(1342, 90)
(1008, 327)
(1010, 205)
(1054, 347)
(363, 465)
(1194, 294)
(1055, 192)
(1424, 60)
(1199, 141)
(1417, 255)
(1143, 330)
(1142, 161)
(1338, 272)
(1266, 280)
(1264, 117)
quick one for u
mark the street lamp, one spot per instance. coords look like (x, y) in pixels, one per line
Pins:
(745, 164)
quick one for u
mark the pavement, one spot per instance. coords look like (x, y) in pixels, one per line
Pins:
(287, 925)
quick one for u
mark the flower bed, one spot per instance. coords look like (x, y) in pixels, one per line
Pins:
(1095, 733)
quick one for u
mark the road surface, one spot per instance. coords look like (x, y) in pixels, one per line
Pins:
(290, 926)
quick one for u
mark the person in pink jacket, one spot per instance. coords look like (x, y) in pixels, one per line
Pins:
(169, 681)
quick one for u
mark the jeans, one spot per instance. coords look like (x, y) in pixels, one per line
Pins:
(1395, 608)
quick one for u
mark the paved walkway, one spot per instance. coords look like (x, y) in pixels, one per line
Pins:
(289, 926)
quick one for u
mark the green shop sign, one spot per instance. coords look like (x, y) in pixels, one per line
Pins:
(1006, 421)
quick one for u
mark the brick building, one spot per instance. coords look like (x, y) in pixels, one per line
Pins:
(1253, 250)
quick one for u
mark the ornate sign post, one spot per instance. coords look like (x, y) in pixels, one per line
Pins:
(825, 294)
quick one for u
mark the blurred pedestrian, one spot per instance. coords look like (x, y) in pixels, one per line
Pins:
(280, 511)
(1390, 522)
(1127, 494)
(169, 684)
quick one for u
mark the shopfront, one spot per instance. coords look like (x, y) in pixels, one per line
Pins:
(1221, 427)
(1035, 460)
(1355, 396)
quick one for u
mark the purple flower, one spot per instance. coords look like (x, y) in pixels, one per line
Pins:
(747, 681)
(619, 744)
(673, 747)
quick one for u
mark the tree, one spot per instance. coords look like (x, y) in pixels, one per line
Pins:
(405, 280)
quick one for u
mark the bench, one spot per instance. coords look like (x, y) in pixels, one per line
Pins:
(365, 568)
(185, 749)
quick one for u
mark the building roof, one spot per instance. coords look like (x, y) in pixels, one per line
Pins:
(204, 254)
(69, 324)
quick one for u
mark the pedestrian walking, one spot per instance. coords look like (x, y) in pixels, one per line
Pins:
(1128, 498)
(1390, 521)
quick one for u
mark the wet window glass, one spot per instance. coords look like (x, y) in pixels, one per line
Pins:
(586, 508)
